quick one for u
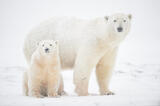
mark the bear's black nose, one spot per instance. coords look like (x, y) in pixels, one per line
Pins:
(120, 29)
(46, 50)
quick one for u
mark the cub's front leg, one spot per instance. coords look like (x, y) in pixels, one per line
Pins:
(53, 83)
(61, 87)
(34, 82)
(34, 88)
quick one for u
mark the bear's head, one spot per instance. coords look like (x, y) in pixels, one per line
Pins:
(47, 47)
(119, 24)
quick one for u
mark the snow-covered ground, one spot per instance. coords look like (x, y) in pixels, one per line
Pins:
(134, 85)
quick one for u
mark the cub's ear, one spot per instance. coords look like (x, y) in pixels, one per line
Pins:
(56, 42)
(106, 17)
(130, 16)
(38, 43)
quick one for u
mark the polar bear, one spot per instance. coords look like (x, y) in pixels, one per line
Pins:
(43, 77)
(84, 44)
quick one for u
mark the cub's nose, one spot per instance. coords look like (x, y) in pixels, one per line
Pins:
(46, 50)
(119, 29)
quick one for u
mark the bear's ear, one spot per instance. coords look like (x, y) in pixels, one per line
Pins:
(56, 42)
(106, 17)
(130, 16)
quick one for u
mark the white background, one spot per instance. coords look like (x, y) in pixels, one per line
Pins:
(18, 17)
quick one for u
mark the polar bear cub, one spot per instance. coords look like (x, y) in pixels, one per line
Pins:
(43, 77)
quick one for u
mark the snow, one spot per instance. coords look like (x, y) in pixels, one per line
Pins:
(134, 85)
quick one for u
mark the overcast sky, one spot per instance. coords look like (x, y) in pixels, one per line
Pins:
(18, 17)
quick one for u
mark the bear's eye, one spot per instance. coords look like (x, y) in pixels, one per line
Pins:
(50, 44)
(124, 20)
(114, 20)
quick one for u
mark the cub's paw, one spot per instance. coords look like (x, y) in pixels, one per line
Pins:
(62, 93)
(55, 95)
(107, 93)
(37, 95)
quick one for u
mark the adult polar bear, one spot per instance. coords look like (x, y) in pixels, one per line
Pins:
(84, 44)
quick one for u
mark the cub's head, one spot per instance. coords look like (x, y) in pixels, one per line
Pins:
(47, 47)
(119, 23)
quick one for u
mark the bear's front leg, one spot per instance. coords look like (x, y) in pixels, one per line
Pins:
(85, 62)
(104, 70)
(81, 79)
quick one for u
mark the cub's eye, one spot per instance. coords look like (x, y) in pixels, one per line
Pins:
(124, 20)
(43, 45)
(50, 44)
(114, 20)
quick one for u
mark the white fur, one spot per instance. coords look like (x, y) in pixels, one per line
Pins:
(83, 44)
(43, 77)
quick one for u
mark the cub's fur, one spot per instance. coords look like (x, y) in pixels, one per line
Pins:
(43, 77)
